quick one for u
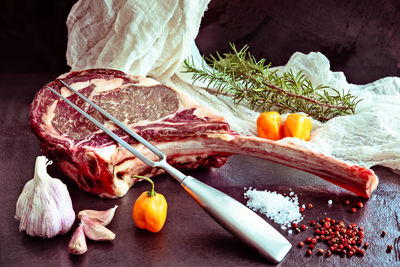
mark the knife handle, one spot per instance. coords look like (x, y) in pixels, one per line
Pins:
(239, 220)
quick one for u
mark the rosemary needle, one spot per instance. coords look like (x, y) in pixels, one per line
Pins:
(241, 76)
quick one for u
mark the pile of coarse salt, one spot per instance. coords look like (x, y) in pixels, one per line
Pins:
(281, 209)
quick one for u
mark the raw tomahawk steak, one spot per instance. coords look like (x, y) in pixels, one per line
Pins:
(190, 135)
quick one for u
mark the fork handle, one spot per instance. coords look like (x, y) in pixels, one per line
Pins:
(239, 220)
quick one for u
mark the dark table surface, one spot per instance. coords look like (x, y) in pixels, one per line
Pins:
(190, 237)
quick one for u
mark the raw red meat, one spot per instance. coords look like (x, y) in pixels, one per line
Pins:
(190, 135)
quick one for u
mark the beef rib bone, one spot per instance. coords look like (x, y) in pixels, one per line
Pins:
(189, 134)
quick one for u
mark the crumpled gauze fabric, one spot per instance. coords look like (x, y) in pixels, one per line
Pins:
(147, 37)
(154, 37)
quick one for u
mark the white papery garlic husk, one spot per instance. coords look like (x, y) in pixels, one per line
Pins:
(44, 207)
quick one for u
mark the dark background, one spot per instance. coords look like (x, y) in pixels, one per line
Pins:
(361, 38)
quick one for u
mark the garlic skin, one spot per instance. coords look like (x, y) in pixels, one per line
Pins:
(44, 207)
(78, 245)
(103, 217)
(95, 231)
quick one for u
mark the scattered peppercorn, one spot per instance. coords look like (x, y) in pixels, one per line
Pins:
(383, 233)
(328, 253)
(320, 251)
(342, 240)
(303, 227)
(346, 202)
(309, 206)
(294, 225)
(389, 248)
(360, 204)
(361, 252)
(301, 244)
(353, 210)
(309, 252)
(301, 209)
(350, 254)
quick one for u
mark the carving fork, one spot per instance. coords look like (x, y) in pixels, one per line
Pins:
(235, 217)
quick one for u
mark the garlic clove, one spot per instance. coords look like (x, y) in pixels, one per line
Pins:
(103, 217)
(44, 207)
(95, 231)
(77, 245)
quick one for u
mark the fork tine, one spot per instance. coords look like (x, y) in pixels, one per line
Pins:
(113, 135)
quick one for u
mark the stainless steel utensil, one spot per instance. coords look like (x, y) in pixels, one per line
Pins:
(235, 217)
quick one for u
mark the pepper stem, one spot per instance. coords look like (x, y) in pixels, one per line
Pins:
(150, 193)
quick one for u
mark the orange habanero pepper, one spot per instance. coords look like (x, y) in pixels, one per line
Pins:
(297, 125)
(150, 209)
(269, 125)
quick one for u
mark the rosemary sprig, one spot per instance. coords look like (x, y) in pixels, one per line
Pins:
(242, 77)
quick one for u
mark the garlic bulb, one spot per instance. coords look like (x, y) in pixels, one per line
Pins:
(44, 207)
(103, 217)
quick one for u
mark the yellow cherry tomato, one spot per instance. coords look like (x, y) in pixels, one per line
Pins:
(269, 125)
(297, 125)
